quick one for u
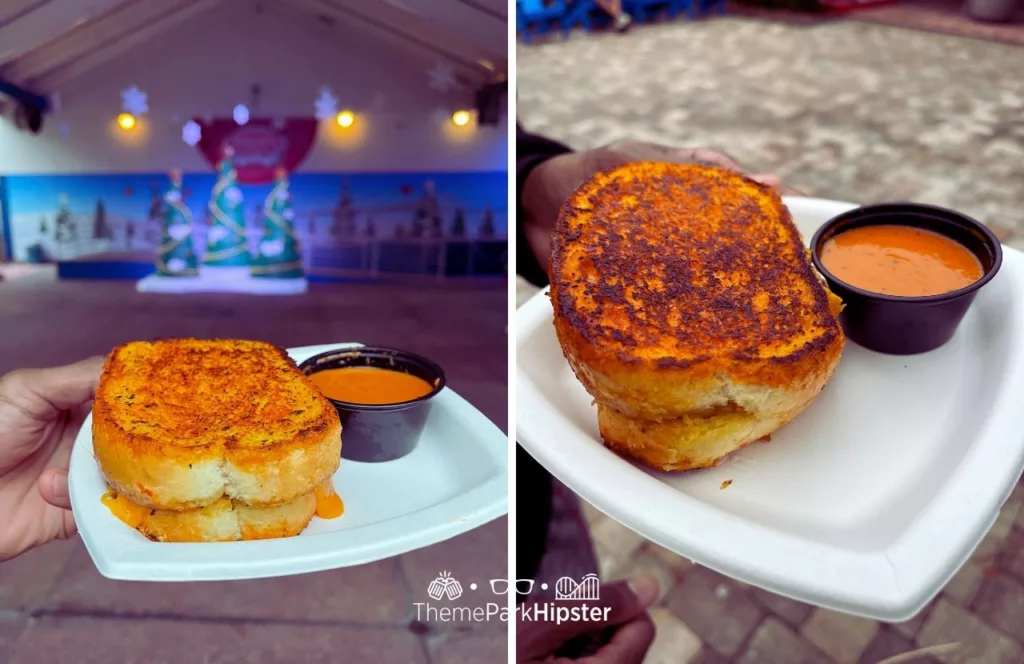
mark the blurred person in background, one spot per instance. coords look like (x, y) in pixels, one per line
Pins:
(621, 20)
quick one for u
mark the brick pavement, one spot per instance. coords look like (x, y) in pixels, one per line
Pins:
(55, 607)
(703, 613)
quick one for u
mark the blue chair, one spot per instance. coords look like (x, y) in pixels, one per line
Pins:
(581, 12)
(716, 6)
(536, 17)
(644, 10)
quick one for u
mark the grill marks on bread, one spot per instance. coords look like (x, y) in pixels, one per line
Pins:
(676, 263)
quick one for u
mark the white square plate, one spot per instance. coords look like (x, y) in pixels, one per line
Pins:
(866, 503)
(455, 480)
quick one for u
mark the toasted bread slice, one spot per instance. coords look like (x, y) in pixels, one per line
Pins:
(687, 442)
(680, 290)
(183, 423)
(223, 520)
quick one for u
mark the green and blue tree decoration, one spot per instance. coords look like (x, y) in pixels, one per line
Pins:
(278, 256)
(226, 243)
(175, 256)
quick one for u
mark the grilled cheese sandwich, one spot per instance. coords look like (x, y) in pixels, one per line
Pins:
(686, 304)
(211, 440)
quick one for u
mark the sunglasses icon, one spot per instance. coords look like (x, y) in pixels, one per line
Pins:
(500, 586)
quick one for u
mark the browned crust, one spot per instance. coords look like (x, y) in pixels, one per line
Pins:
(181, 423)
(672, 282)
(225, 521)
(686, 443)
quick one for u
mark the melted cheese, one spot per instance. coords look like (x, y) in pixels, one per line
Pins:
(124, 509)
(328, 503)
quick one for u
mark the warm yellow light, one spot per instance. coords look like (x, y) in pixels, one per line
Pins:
(345, 119)
(461, 118)
(126, 121)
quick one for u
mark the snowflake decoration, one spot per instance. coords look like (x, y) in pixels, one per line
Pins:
(288, 214)
(178, 231)
(191, 133)
(326, 104)
(176, 265)
(283, 195)
(172, 197)
(272, 248)
(217, 233)
(442, 77)
(234, 195)
(133, 101)
(240, 114)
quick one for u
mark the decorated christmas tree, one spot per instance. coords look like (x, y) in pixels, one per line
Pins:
(226, 239)
(427, 217)
(458, 225)
(156, 202)
(100, 228)
(278, 256)
(62, 222)
(487, 229)
(344, 214)
(175, 256)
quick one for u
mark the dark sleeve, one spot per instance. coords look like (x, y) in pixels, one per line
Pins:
(533, 484)
(533, 515)
(531, 151)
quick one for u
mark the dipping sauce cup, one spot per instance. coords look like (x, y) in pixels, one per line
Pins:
(377, 432)
(899, 325)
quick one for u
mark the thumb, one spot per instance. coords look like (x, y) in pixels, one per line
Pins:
(620, 603)
(776, 183)
(53, 487)
(43, 393)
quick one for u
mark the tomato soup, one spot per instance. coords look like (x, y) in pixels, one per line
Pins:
(900, 260)
(370, 385)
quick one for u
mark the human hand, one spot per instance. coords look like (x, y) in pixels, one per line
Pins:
(632, 630)
(551, 183)
(41, 411)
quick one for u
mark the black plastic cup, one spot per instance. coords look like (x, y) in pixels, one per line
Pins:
(908, 325)
(380, 432)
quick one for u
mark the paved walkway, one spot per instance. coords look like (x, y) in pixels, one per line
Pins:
(842, 110)
(54, 606)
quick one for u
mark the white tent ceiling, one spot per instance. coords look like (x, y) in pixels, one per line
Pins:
(44, 44)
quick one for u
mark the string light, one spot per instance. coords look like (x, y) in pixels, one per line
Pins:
(126, 121)
(345, 119)
(460, 118)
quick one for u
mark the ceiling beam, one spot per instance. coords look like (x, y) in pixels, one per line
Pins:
(107, 42)
(19, 93)
(468, 75)
(12, 10)
(415, 29)
(46, 22)
(500, 14)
